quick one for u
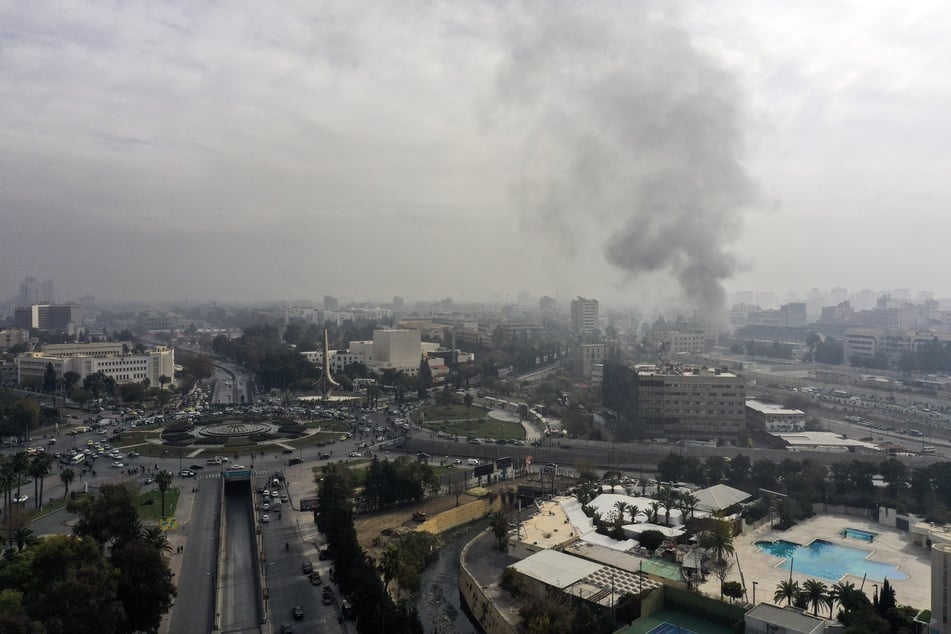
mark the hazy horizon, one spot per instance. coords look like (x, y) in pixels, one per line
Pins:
(191, 152)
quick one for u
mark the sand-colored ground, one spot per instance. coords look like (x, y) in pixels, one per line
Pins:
(889, 547)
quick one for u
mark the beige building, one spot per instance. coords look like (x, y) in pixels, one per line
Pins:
(124, 368)
(675, 341)
(587, 355)
(10, 337)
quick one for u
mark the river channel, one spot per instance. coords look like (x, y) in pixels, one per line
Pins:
(439, 606)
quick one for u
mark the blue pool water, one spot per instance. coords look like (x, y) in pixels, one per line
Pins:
(829, 561)
(854, 533)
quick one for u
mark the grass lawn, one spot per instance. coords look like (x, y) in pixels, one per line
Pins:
(329, 438)
(499, 430)
(49, 507)
(152, 511)
(452, 411)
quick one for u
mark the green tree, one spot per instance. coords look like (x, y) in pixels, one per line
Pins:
(425, 374)
(110, 517)
(26, 415)
(49, 379)
(67, 476)
(786, 590)
(71, 588)
(500, 528)
(19, 464)
(70, 379)
(39, 469)
(467, 401)
(145, 585)
(815, 594)
(720, 540)
(164, 481)
(732, 589)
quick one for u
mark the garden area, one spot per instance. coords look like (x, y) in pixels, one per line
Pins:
(150, 504)
(481, 428)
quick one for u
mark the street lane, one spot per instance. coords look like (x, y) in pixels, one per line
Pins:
(240, 595)
(193, 605)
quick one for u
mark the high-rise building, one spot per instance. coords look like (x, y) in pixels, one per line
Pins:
(52, 317)
(330, 302)
(584, 315)
(29, 292)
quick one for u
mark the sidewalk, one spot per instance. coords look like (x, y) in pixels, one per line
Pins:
(178, 537)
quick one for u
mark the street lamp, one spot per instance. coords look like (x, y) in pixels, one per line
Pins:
(754, 592)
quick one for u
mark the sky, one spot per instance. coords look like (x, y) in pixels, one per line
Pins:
(628, 151)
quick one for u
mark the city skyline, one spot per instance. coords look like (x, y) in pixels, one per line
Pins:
(176, 152)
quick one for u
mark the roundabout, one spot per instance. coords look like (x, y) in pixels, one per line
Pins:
(236, 430)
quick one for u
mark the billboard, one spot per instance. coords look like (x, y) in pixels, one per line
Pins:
(308, 504)
(484, 470)
(503, 463)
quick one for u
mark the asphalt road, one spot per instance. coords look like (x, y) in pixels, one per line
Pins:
(240, 604)
(288, 586)
(196, 580)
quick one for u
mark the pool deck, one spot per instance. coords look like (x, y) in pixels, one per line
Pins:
(890, 547)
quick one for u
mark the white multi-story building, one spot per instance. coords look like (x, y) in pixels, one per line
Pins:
(124, 368)
(892, 343)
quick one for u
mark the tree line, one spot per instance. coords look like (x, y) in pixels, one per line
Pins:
(111, 575)
(359, 577)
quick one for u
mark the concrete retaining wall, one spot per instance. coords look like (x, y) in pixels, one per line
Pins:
(477, 601)
(460, 515)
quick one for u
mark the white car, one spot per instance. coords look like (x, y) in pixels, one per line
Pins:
(118, 465)
(356, 454)
(265, 518)
(266, 493)
(20, 499)
(266, 506)
(275, 495)
(236, 467)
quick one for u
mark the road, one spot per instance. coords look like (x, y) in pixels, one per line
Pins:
(239, 595)
(196, 579)
(287, 584)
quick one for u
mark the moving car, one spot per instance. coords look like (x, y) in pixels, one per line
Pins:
(265, 518)
(118, 465)
(298, 612)
(186, 473)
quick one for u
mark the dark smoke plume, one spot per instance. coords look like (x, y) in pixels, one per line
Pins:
(633, 137)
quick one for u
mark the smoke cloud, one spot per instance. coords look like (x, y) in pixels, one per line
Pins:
(633, 142)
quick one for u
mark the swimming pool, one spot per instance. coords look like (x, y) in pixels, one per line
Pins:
(855, 533)
(823, 559)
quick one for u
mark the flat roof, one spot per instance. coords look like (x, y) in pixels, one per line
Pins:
(556, 568)
(772, 408)
(822, 438)
(791, 618)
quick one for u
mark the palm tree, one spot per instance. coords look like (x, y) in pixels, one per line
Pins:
(720, 539)
(20, 463)
(787, 589)
(620, 507)
(815, 594)
(655, 507)
(22, 536)
(835, 593)
(688, 504)
(7, 480)
(39, 469)
(153, 535)
(67, 476)
(633, 510)
(164, 480)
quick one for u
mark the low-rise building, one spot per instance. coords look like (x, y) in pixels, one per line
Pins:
(124, 368)
(770, 417)
(766, 618)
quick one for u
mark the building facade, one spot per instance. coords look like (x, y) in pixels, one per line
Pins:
(769, 417)
(10, 337)
(584, 315)
(675, 402)
(52, 317)
(124, 368)
(587, 355)
(940, 588)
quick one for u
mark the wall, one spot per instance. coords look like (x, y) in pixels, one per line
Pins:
(476, 600)
(841, 509)
(454, 517)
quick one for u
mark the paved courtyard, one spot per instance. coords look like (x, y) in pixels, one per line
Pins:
(889, 547)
